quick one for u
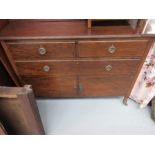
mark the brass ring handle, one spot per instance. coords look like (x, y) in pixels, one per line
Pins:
(108, 68)
(112, 49)
(46, 68)
(42, 51)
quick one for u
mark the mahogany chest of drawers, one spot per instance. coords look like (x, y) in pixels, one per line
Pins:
(70, 61)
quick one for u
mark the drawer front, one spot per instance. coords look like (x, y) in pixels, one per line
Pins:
(104, 86)
(85, 67)
(52, 68)
(104, 67)
(45, 51)
(53, 86)
(124, 48)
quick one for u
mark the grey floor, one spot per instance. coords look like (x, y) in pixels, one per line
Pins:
(94, 116)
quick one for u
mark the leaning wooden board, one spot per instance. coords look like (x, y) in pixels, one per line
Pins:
(18, 111)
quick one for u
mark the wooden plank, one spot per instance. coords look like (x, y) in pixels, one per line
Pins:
(20, 115)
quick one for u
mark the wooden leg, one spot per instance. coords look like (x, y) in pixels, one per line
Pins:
(153, 109)
(125, 100)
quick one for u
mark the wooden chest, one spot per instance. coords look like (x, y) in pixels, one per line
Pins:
(71, 61)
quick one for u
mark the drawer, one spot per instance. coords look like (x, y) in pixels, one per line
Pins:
(98, 86)
(78, 67)
(115, 48)
(41, 50)
(53, 68)
(53, 86)
(109, 67)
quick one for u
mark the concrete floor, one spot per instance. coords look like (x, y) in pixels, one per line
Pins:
(94, 116)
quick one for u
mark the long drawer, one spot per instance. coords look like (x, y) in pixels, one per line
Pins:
(112, 48)
(97, 86)
(53, 86)
(41, 50)
(78, 67)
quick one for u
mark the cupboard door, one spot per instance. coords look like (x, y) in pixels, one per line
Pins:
(53, 86)
(101, 86)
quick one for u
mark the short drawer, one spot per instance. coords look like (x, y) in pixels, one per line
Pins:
(112, 48)
(98, 86)
(41, 50)
(52, 68)
(53, 86)
(109, 67)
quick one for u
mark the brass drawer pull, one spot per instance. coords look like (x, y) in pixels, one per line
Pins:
(112, 49)
(46, 68)
(108, 68)
(42, 51)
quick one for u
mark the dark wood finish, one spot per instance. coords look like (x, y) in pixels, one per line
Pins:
(78, 67)
(55, 68)
(3, 23)
(18, 111)
(53, 86)
(98, 67)
(75, 54)
(30, 50)
(102, 86)
(124, 48)
(73, 29)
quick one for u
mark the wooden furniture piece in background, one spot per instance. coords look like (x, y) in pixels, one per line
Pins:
(63, 58)
(18, 111)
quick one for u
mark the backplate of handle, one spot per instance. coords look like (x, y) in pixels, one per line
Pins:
(112, 49)
(46, 68)
(42, 51)
(108, 68)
